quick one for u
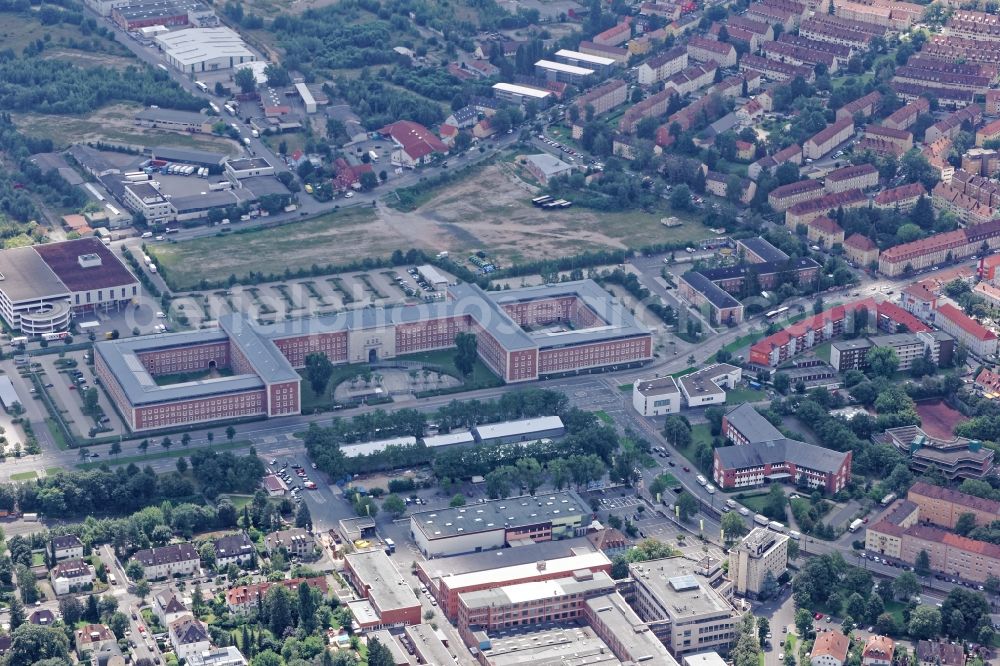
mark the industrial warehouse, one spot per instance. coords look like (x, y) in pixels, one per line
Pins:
(522, 335)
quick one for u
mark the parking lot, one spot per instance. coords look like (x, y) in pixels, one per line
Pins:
(305, 297)
(65, 384)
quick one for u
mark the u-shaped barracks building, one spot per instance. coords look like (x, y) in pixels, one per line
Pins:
(522, 335)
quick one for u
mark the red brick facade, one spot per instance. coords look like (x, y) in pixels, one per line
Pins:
(185, 359)
(600, 354)
(334, 345)
(233, 406)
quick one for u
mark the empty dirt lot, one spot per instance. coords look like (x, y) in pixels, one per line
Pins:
(938, 419)
(490, 211)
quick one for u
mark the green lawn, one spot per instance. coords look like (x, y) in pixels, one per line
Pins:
(739, 395)
(604, 416)
(238, 501)
(51, 471)
(341, 373)
(175, 451)
(625, 388)
(823, 351)
(37, 559)
(57, 434)
(24, 476)
(480, 378)
(895, 609)
(755, 502)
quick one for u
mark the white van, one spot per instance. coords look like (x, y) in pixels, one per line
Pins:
(702, 481)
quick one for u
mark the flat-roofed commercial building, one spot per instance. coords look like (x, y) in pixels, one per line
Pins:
(955, 458)
(197, 50)
(758, 554)
(43, 285)
(447, 578)
(547, 646)
(601, 64)
(626, 634)
(524, 430)
(559, 600)
(656, 397)
(497, 523)
(708, 386)
(681, 608)
(388, 599)
(563, 73)
(521, 94)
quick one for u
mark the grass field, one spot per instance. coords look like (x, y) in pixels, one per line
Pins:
(24, 476)
(604, 416)
(113, 124)
(625, 388)
(57, 434)
(20, 29)
(336, 238)
(480, 378)
(238, 501)
(739, 395)
(755, 502)
(50, 471)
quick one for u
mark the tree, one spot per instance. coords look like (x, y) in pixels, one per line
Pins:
(905, 586)
(969, 606)
(457, 501)
(529, 471)
(925, 623)
(804, 622)
(116, 448)
(966, 523)
(856, 607)
(144, 446)
(922, 565)
(277, 76)
(378, 654)
(142, 589)
(302, 517)
(245, 80)
(278, 610)
(680, 198)
(781, 382)
(17, 616)
(886, 625)
(774, 505)
(394, 506)
(763, 628)
(230, 433)
(319, 369)
(687, 505)
(92, 613)
(118, 623)
(677, 431)
(500, 480)
(365, 506)
(883, 361)
(466, 353)
(733, 526)
(32, 644)
(560, 473)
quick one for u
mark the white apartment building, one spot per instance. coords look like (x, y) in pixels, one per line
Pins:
(761, 552)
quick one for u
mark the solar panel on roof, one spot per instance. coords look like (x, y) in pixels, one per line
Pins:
(684, 583)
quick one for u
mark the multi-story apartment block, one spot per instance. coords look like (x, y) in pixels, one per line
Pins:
(866, 105)
(905, 116)
(908, 347)
(901, 138)
(830, 648)
(799, 55)
(824, 141)
(878, 651)
(918, 299)
(652, 106)
(67, 546)
(849, 354)
(662, 66)
(825, 232)
(179, 559)
(775, 70)
(978, 339)
(902, 198)
(943, 506)
(758, 554)
(952, 124)
(857, 177)
(807, 211)
(296, 541)
(939, 248)
(784, 197)
(605, 97)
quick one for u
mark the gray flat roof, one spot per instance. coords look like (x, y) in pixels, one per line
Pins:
(24, 276)
(399, 655)
(846, 345)
(549, 645)
(449, 439)
(386, 585)
(261, 186)
(673, 581)
(895, 340)
(538, 590)
(427, 644)
(368, 448)
(249, 163)
(494, 560)
(540, 424)
(207, 200)
(700, 382)
(493, 515)
(187, 155)
(8, 395)
(635, 636)
(659, 386)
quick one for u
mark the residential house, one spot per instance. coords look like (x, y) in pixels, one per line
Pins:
(177, 559)
(918, 299)
(877, 651)
(978, 339)
(189, 636)
(484, 129)
(295, 541)
(830, 648)
(224, 656)
(861, 250)
(71, 575)
(807, 211)
(614, 36)
(167, 607)
(662, 66)
(901, 138)
(234, 549)
(247, 598)
(940, 653)
(745, 150)
(905, 116)
(90, 639)
(825, 232)
(702, 49)
(856, 177)
(902, 198)
(42, 617)
(67, 546)
(824, 141)
(463, 118)
(866, 106)
(414, 143)
(784, 197)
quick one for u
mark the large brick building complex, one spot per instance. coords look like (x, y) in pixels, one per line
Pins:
(522, 335)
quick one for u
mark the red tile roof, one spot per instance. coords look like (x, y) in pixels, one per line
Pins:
(897, 314)
(901, 193)
(826, 225)
(831, 643)
(965, 322)
(416, 140)
(859, 242)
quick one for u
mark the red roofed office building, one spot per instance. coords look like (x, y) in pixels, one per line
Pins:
(977, 338)
(415, 144)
